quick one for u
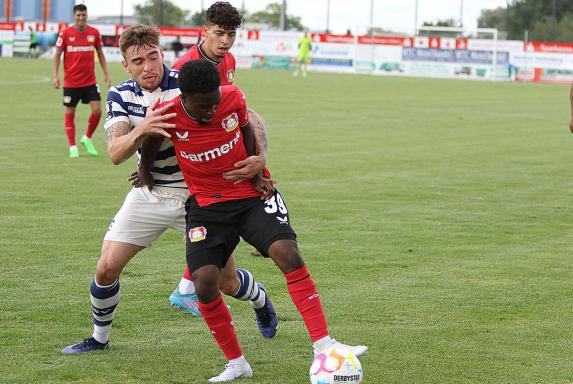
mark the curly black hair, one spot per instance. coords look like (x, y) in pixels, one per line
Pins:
(198, 76)
(224, 15)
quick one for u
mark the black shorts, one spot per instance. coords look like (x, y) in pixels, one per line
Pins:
(73, 95)
(213, 231)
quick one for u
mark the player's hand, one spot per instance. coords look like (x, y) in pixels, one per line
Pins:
(154, 122)
(138, 179)
(264, 186)
(571, 124)
(56, 82)
(107, 80)
(246, 169)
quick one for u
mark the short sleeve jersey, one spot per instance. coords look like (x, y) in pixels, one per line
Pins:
(226, 66)
(127, 102)
(78, 48)
(206, 151)
(304, 45)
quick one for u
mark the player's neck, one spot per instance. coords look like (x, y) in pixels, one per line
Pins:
(80, 29)
(205, 52)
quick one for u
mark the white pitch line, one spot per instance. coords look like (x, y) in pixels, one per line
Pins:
(41, 80)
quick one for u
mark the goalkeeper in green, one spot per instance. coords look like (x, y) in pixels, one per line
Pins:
(304, 47)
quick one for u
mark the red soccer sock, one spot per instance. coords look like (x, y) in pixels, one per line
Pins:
(92, 124)
(220, 323)
(187, 274)
(305, 297)
(70, 128)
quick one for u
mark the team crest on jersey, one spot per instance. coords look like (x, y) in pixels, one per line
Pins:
(230, 75)
(231, 122)
(91, 38)
(182, 136)
(197, 234)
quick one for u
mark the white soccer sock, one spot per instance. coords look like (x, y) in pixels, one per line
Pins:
(186, 287)
(322, 344)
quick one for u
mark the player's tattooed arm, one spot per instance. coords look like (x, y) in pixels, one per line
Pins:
(248, 168)
(260, 128)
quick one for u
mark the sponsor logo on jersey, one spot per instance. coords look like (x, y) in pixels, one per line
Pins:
(231, 122)
(136, 109)
(88, 48)
(91, 38)
(212, 153)
(72, 38)
(230, 75)
(182, 136)
(197, 234)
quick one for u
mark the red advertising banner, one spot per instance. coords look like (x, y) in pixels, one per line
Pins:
(174, 31)
(7, 26)
(549, 47)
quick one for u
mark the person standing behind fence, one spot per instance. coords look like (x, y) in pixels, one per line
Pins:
(78, 43)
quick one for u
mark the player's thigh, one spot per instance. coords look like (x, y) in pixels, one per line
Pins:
(210, 237)
(72, 96)
(266, 222)
(91, 94)
(142, 218)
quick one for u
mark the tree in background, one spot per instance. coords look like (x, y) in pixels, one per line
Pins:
(159, 12)
(271, 16)
(544, 20)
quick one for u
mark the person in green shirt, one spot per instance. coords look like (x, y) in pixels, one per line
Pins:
(304, 47)
(33, 50)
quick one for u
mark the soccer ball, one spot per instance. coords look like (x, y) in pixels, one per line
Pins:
(335, 365)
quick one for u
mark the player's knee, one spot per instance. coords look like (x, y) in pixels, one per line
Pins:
(286, 255)
(106, 272)
(230, 286)
(97, 111)
(206, 281)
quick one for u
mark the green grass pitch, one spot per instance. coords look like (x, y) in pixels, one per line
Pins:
(435, 216)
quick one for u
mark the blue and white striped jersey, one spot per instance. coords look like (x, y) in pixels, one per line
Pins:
(127, 102)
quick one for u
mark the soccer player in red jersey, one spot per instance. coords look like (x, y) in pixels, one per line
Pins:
(219, 33)
(212, 133)
(78, 43)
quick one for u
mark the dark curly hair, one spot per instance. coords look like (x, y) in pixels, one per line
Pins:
(224, 15)
(198, 76)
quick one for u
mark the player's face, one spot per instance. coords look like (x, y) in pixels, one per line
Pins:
(218, 41)
(80, 19)
(145, 64)
(202, 106)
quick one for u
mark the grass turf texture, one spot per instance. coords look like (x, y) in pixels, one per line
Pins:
(435, 217)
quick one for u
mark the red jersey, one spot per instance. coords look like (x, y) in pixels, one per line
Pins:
(226, 66)
(78, 47)
(205, 151)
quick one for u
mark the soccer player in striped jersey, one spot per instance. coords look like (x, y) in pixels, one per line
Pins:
(132, 116)
(78, 43)
(211, 132)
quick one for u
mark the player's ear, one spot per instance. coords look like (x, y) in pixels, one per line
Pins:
(124, 63)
